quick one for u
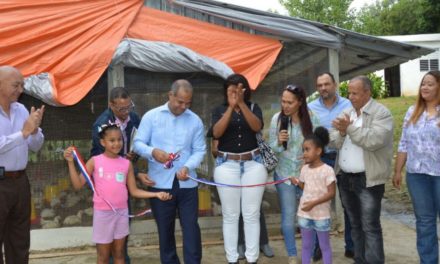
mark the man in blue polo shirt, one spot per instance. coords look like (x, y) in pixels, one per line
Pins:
(327, 107)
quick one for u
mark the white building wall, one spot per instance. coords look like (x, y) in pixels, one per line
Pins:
(410, 74)
(410, 77)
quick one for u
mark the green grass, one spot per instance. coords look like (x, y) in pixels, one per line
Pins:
(398, 107)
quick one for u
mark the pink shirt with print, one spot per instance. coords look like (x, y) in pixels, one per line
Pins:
(110, 177)
(316, 181)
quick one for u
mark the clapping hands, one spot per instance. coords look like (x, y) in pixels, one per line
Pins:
(30, 126)
(341, 124)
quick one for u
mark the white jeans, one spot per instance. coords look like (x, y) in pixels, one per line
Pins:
(248, 199)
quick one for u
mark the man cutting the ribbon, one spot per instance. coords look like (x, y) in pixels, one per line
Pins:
(169, 129)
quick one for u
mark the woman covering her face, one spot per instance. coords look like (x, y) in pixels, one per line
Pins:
(235, 124)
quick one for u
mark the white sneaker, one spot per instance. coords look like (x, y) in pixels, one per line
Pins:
(293, 260)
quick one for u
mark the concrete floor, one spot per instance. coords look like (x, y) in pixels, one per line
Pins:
(399, 240)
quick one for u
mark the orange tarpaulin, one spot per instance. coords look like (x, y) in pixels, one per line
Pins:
(74, 41)
(248, 54)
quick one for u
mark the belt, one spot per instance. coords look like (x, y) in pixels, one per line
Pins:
(239, 156)
(357, 174)
(15, 174)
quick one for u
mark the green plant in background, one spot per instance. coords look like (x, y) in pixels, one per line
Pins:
(312, 97)
(343, 89)
(380, 87)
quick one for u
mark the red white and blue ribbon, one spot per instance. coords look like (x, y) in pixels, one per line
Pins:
(82, 167)
(171, 158)
(175, 156)
(217, 184)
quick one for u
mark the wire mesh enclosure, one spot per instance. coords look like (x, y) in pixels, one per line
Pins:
(56, 204)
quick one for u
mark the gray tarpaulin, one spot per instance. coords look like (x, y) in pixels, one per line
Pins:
(291, 28)
(148, 55)
(40, 86)
(158, 56)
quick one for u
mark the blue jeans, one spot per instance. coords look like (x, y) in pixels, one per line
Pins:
(185, 202)
(363, 207)
(287, 195)
(323, 225)
(425, 195)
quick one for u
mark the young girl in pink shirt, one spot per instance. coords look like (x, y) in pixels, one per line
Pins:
(112, 174)
(318, 181)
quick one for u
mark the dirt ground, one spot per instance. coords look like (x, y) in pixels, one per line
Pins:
(399, 241)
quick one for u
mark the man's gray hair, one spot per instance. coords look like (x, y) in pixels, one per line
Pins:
(366, 82)
(6, 69)
(181, 84)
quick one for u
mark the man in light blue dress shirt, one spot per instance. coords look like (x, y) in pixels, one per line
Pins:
(328, 106)
(174, 128)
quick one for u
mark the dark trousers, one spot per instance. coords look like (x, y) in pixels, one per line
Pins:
(363, 207)
(264, 239)
(185, 204)
(15, 219)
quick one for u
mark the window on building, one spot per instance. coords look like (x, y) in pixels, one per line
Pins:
(429, 65)
(433, 65)
(424, 65)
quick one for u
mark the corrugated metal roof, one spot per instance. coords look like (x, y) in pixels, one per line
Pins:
(358, 53)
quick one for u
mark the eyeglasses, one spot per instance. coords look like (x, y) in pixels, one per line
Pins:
(291, 88)
(124, 109)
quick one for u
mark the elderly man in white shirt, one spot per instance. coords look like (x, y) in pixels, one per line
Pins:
(364, 137)
(19, 132)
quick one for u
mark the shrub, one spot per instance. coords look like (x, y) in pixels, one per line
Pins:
(380, 87)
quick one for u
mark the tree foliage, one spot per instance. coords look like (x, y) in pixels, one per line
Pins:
(384, 17)
(332, 12)
(394, 17)
(432, 16)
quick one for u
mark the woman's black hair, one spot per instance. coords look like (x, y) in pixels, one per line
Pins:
(303, 112)
(235, 79)
(102, 129)
(320, 138)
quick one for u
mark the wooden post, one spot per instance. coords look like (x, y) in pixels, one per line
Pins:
(333, 63)
(115, 77)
